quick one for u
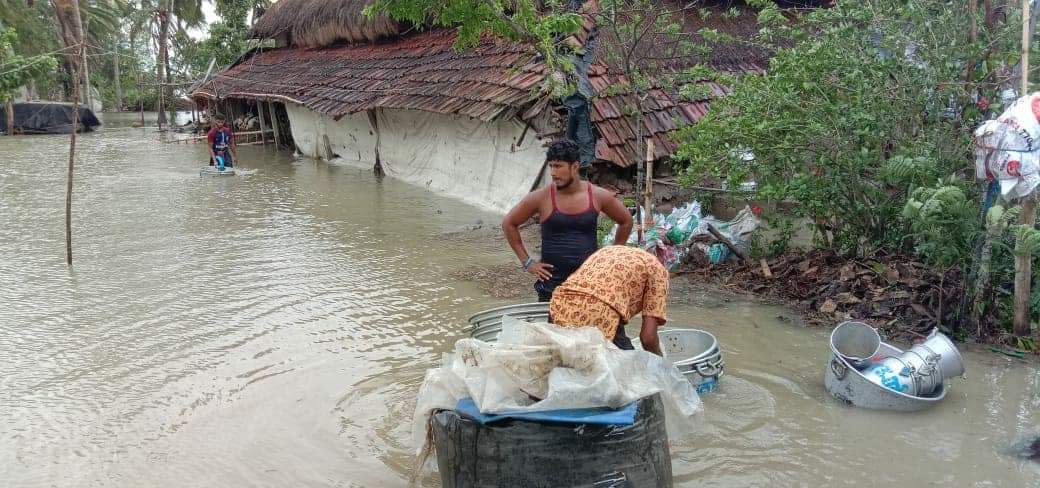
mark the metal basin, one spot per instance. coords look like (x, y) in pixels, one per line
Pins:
(856, 342)
(849, 385)
(487, 325)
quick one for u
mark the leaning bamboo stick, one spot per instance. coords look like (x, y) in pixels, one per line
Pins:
(1023, 260)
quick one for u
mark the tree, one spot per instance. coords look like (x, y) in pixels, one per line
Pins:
(167, 15)
(862, 125)
(863, 103)
(70, 28)
(227, 38)
(36, 36)
(16, 70)
(542, 24)
(644, 42)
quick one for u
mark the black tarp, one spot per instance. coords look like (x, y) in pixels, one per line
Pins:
(47, 118)
(518, 453)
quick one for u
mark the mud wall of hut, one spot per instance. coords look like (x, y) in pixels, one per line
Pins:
(487, 164)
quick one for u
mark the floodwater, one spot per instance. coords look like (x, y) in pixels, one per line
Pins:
(272, 329)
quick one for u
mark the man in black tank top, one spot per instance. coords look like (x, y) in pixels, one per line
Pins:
(568, 210)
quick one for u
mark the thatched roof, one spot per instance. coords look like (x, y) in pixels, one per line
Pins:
(316, 23)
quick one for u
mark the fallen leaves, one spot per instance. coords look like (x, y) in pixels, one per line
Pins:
(894, 292)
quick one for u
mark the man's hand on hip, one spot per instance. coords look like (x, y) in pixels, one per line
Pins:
(542, 270)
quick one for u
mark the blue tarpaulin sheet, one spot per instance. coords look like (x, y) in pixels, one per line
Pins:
(601, 416)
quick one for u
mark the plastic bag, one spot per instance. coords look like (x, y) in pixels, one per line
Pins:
(671, 235)
(538, 366)
(1008, 149)
(738, 231)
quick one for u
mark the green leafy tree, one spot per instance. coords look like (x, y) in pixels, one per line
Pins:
(36, 36)
(226, 39)
(16, 70)
(543, 24)
(862, 104)
(645, 46)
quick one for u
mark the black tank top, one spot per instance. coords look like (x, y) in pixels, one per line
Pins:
(567, 240)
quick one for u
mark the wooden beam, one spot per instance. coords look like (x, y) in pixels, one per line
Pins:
(274, 125)
(1024, 260)
(260, 117)
(721, 238)
(648, 188)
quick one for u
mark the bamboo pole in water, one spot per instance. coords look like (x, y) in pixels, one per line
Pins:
(77, 83)
(9, 111)
(140, 98)
(1024, 261)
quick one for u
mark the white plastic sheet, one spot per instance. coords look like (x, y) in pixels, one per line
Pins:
(540, 366)
(488, 164)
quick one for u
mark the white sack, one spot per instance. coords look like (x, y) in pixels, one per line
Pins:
(562, 367)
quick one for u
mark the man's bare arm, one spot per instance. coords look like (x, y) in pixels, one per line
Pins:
(519, 214)
(619, 214)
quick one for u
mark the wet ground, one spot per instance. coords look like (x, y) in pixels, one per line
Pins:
(272, 329)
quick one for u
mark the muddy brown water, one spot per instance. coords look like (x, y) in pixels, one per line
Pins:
(272, 330)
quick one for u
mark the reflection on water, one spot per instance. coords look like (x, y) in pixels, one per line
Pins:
(272, 330)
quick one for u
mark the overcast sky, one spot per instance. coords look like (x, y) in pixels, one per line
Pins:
(209, 9)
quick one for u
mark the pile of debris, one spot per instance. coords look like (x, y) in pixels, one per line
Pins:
(893, 292)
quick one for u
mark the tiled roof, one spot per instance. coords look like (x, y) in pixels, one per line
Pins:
(663, 113)
(420, 72)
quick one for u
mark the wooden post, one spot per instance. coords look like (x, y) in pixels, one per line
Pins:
(1026, 37)
(140, 98)
(274, 125)
(973, 27)
(726, 242)
(1024, 261)
(260, 117)
(77, 82)
(9, 113)
(649, 185)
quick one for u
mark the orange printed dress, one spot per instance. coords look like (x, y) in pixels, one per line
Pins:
(615, 284)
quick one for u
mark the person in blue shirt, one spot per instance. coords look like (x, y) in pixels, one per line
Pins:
(222, 149)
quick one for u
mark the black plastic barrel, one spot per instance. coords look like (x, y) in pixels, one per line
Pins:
(516, 453)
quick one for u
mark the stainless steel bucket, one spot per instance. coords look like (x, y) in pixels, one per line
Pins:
(939, 350)
(920, 370)
(849, 385)
(898, 374)
(696, 354)
(856, 342)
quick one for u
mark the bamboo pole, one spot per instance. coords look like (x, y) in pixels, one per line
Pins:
(973, 27)
(274, 125)
(1023, 260)
(77, 85)
(140, 98)
(237, 134)
(9, 114)
(648, 187)
(260, 117)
